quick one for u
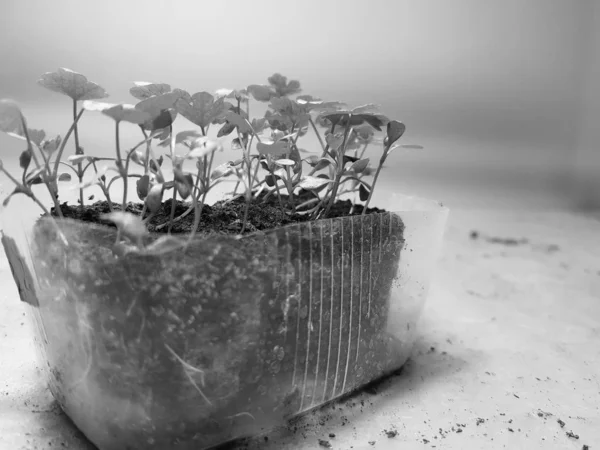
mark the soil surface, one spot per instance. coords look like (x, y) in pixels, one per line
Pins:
(223, 217)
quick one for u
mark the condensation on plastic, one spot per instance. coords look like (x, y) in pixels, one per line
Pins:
(230, 337)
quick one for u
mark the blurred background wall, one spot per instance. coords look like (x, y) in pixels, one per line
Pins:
(503, 95)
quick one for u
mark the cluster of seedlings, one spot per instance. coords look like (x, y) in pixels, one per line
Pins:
(271, 164)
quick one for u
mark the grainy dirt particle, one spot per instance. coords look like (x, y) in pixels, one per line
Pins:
(324, 443)
(391, 433)
(479, 421)
(561, 423)
(572, 435)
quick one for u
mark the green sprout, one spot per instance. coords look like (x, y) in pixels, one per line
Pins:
(270, 162)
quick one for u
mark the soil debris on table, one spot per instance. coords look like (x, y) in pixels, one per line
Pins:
(544, 414)
(324, 443)
(391, 433)
(572, 435)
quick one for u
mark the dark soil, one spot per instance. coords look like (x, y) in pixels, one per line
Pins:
(224, 217)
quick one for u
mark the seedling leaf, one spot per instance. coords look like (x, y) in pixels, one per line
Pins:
(395, 130)
(156, 104)
(72, 84)
(226, 129)
(224, 170)
(183, 183)
(187, 136)
(201, 108)
(118, 112)
(271, 180)
(282, 86)
(261, 93)
(143, 186)
(76, 159)
(284, 162)
(359, 166)
(313, 183)
(363, 192)
(25, 159)
(34, 177)
(369, 108)
(322, 164)
(274, 149)
(64, 177)
(154, 198)
(259, 124)
(347, 118)
(237, 94)
(143, 90)
(18, 190)
(36, 136)
(10, 118)
(51, 145)
(334, 141)
(241, 123)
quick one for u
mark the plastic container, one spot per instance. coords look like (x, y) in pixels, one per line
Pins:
(233, 336)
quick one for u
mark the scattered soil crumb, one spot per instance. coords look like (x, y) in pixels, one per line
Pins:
(561, 423)
(572, 435)
(479, 421)
(509, 242)
(391, 433)
(511, 430)
(331, 435)
(585, 447)
(371, 442)
(324, 443)
(544, 414)
(425, 441)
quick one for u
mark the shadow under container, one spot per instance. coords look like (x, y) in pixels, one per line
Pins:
(232, 336)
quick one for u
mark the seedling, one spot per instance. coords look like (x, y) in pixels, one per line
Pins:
(270, 164)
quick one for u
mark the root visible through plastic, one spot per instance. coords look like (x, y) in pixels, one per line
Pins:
(189, 368)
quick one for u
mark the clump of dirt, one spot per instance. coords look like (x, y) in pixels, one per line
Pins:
(391, 433)
(510, 242)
